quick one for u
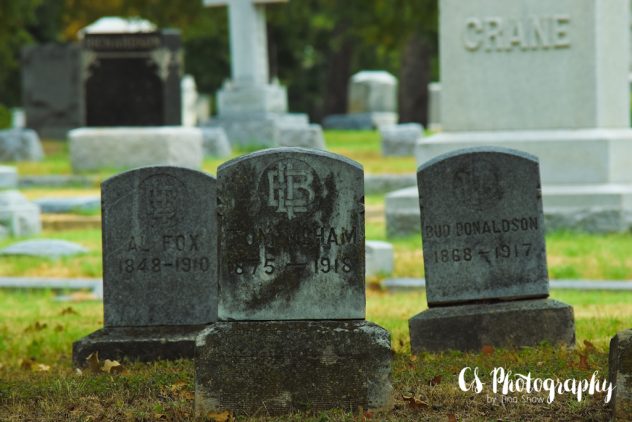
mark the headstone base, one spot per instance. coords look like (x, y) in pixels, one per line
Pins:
(269, 130)
(594, 208)
(131, 147)
(276, 367)
(504, 324)
(620, 374)
(143, 344)
(360, 121)
(234, 99)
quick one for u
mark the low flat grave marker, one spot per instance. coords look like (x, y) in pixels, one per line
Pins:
(292, 333)
(484, 254)
(159, 264)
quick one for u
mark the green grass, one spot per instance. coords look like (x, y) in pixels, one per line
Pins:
(37, 381)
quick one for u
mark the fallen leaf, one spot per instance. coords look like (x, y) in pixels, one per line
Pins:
(93, 362)
(413, 358)
(436, 380)
(68, 311)
(178, 386)
(589, 346)
(40, 367)
(583, 362)
(111, 367)
(487, 350)
(451, 417)
(368, 415)
(78, 371)
(401, 343)
(26, 364)
(224, 416)
(59, 328)
(159, 416)
(36, 326)
(415, 402)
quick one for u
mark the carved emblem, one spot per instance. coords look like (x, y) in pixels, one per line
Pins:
(477, 184)
(163, 197)
(290, 187)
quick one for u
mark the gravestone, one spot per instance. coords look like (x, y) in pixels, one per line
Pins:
(537, 80)
(400, 140)
(292, 291)
(159, 264)
(131, 78)
(620, 375)
(52, 95)
(251, 109)
(20, 145)
(18, 216)
(371, 102)
(484, 255)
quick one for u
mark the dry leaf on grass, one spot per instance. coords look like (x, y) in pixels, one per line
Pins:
(111, 367)
(487, 350)
(436, 380)
(583, 362)
(59, 328)
(68, 311)
(451, 417)
(40, 367)
(224, 416)
(108, 366)
(590, 348)
(415, 402)
(36, 326)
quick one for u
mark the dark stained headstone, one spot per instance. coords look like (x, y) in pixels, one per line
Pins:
(482, 227)
(159, 264)
(291, 236)
(484, 255)
(51, 89)
(292, 334)
(620, 375)
(132, 79)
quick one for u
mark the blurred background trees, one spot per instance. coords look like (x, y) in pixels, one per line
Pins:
(314, 45)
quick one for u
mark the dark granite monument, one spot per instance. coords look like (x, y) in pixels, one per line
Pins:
(132, 79)
(484, 254)
(159, 264)
(620, 375)
(51, 89)
(292, 333)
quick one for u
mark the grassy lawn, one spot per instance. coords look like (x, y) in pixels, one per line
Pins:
(38, 383)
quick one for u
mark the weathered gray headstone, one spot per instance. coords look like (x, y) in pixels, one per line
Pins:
(483, 242)
(159, 262)
(400, 140)
(17, 215)
(8, 177)
(20, 145)
(51, 89)
(482, 227)
(379, 258)
(214, 142)
(292, 293)
(291, 236)
(620, 375)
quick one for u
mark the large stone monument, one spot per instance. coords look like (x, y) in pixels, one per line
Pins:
(549, 78)
(292, 333)
(484, 255)
(131, 75)
(251, 109)
(159, 265)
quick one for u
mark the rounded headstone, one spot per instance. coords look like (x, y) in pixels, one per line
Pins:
(20, 145)
(8, 177)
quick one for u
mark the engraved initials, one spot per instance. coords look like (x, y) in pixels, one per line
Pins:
(290, 189)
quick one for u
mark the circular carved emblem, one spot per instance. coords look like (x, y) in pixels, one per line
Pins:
(289, 187)
(163, 197)
(477, 184)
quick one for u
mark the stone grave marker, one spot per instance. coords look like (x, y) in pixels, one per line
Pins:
(292, 291)
(620, 374)
(131, 75)
(159, 264)
(484, 251)
(292, 237)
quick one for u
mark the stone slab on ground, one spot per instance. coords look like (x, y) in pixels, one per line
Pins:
(143, 344)
(215, 142)
(383, 183)
(506, 324)
(44, 248)
(61, 205)
(20, 145)
(94, 284)
(131, 147)
(360, 121)
(277, 367)
(400, 140)
(379, 258)
(58, 180)
(8, 177)
(620, 375)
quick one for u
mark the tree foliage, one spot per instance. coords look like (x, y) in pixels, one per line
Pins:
(315, 45)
